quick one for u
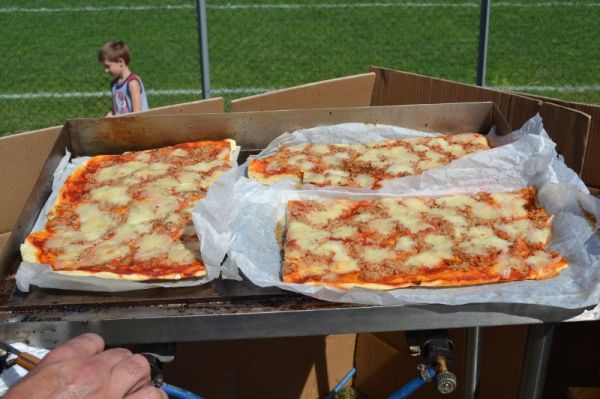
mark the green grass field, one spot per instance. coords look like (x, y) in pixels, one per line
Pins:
(51, 72)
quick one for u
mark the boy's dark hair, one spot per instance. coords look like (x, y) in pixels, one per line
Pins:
(114, 50)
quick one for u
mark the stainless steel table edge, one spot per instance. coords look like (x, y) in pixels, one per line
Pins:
(199, 322)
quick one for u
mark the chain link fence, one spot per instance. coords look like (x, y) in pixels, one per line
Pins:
(254, 47)
(51, 72)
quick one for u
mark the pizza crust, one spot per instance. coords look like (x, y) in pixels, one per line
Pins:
(269, 180)
(29, 252)
(129, 277)
(232, 148)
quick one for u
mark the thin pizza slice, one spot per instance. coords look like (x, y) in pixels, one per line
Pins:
(128, 216)
(399, 242)
(364, 165)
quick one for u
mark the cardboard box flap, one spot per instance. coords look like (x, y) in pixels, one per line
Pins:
(570, 131)
(396, 87)
(110, 135)
(37, 197)
(211, 105)
(22, 156)
(567, 127)
(350, 91)
(3, 239)
(591, 163)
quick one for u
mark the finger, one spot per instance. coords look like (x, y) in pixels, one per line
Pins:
(112, 357)
(129, 374)
(84, 345)
(148, 392)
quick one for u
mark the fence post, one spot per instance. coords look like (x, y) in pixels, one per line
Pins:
(483, 41)
(203, 41)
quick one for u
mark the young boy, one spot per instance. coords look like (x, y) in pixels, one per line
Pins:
(128, 94)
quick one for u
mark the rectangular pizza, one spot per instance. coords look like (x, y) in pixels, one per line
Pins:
(419, 241)
(363, 165)
(128, 216)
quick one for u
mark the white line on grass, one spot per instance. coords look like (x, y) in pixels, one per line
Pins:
(557, 89)
(290, 6)
(254, 90)
(172, 92)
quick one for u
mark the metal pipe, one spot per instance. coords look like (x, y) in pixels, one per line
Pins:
(539, 343)
(472, 361)
(414, 384)
(178, 393)
(341, 384)
(203, 39)
(484, 22)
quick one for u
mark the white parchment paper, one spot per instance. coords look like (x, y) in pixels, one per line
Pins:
(43, 275)
(526, 157)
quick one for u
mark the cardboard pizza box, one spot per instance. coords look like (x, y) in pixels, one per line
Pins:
(590, 173)
(251, 130)
(23, 155)
(349, 91)
(568, 127)
(384, 364)
(291, 367)
(210, 105)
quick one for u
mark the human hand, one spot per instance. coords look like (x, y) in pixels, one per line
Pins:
(81, 368)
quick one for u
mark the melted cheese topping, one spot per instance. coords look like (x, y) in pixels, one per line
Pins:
(119, 171)
(70, 254)
(407, 214)
(484, 210)
(364, 180)
(404, 244)
(114, 195)
(151, 246)
(382, 226)
(204, 166)
(526, 230)
(152, 170)
(333, 212)
(179, 153)
(179, 254)
(440, 249)
(94, 222)
(344, 232)
(539, 259)
(481, 239)
(377, 255)
(129, 232)
(105, 252)
(341, 262)
(509, 205)
(305, 235)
